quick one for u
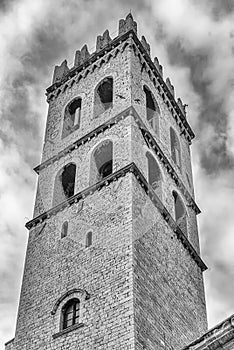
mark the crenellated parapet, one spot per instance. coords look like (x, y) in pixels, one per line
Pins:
(181, 106)
(81, 56)
(106, 47)
(127, 24)
(103, 40)
(60, 71)
(170, 87)
(158, 66)
(145, 44)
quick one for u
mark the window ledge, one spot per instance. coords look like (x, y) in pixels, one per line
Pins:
(67, 330)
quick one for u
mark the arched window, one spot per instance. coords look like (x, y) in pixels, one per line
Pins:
(89, 239)
(101, 161)
(103, 96)
(64, 185)
(72, 115)
(175, 148)
(70, 313)
(64, 229)
(180, 213)
(152, 110)
(154, 175)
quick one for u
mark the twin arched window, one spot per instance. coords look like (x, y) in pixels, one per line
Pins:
(70, 313)
(103, 100)
(155, 181)
(152, 110)
(101, 166)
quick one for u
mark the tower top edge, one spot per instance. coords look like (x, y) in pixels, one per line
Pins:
(104, 43)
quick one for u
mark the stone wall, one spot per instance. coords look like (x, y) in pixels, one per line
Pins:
(139, 286)
(54, 266)
(117, 66)
(168, 292)
(140, 78)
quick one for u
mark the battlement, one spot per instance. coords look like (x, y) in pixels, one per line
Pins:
(103, 44)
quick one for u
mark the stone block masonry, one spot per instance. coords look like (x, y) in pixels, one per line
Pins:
(138, 283)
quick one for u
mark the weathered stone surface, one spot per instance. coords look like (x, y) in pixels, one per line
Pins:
(145, 290)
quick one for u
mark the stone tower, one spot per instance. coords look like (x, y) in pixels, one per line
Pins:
(113, 256)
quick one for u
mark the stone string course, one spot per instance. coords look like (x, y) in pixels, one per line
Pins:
(100, 129)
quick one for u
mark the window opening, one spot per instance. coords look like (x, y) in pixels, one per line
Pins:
(71, 313)
(64, 184)
(103, 96)
(101, 162)
(180, 212)
(89, 238)
(154, 175)
(64, 229)
(72, 116)
(175, 148)
(152, 110)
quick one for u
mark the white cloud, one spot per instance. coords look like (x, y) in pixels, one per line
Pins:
(35, 35)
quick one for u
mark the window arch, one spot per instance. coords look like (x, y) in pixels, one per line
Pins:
(180, 212)
(175, 148)
(64, 229)
(89, 239)
(101, 161)
(152, 110)
(154, 175)
(103, 96)
(72, 116)
(70, 313)
(64, 184)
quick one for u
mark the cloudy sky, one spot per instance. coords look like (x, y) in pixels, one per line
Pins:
(194, 40)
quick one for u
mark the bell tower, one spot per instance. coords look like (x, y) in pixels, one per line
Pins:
(113, 258)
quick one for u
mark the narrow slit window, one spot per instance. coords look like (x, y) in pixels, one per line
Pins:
(64, 229)
(89, 239)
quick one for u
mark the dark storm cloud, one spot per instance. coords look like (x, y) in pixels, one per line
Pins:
(218, 9)
(212, 110)
(5, 5)
(49, 45)
(44, 33)
(199, 53)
